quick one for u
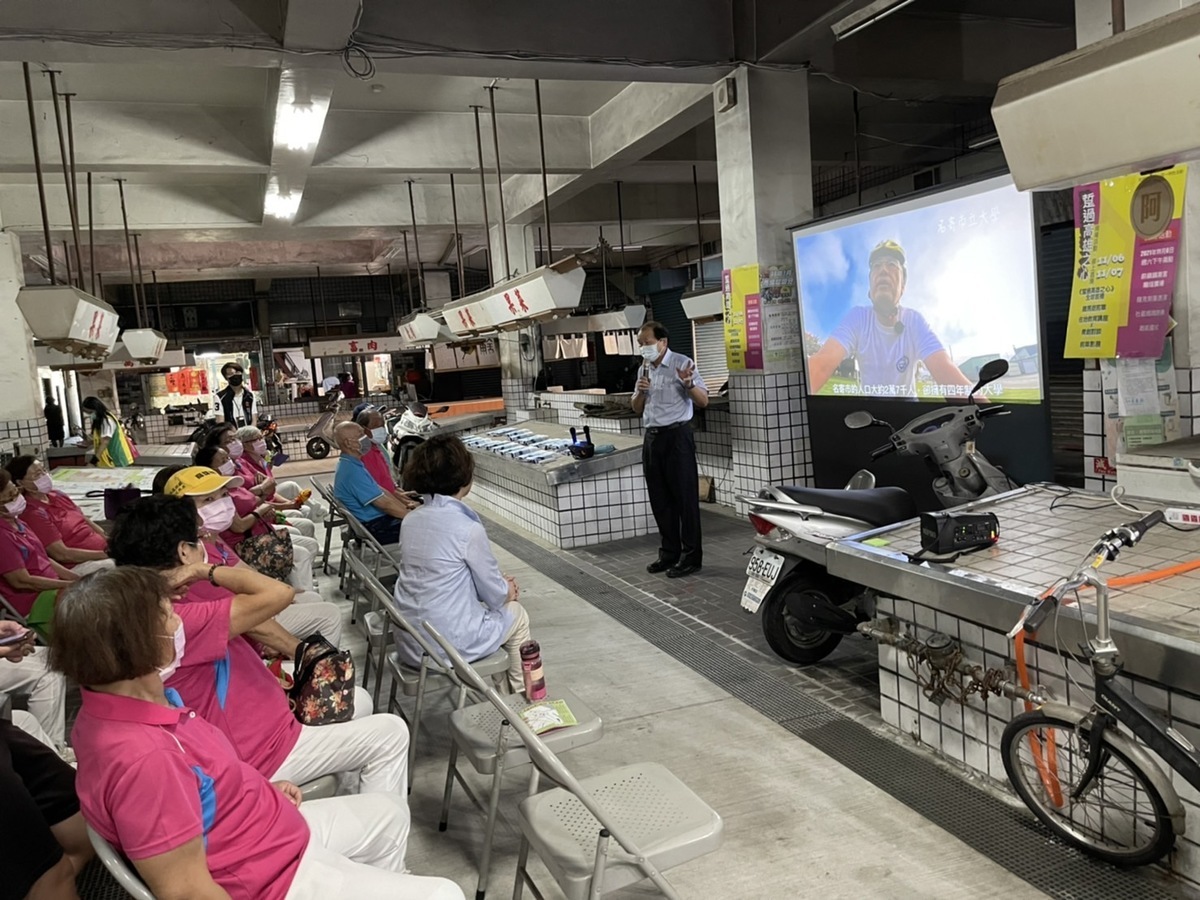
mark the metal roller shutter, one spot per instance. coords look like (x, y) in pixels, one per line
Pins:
(668, 310)
(1064, 377)
(708, 345)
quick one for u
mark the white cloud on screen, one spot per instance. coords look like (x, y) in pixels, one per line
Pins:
(823, 259)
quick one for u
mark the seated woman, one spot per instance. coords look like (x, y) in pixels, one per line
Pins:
(43, 838)
(71, 539)
(448, 574)
(164, 785)
(255, 468)
(26, 570)
(250, 515)
(220, 674)
(210, 492)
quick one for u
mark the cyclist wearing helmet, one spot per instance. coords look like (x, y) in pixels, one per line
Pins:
(887, 339)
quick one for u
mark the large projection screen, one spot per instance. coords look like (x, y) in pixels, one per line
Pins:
(909, 301)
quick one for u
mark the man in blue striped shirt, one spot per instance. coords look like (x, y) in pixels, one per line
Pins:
(667, 392)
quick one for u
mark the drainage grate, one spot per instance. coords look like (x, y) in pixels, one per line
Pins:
(1007, 835)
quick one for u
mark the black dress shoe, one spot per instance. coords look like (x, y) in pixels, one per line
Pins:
(661, 564)
(682, 568)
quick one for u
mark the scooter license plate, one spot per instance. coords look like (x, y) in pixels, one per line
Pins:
(761, 573)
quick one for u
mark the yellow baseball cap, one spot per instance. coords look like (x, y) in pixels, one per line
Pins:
(197, 481)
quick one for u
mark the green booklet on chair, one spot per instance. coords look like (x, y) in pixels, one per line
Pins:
(547, 715)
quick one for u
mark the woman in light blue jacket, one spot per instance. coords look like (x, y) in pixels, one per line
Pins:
(448, 573)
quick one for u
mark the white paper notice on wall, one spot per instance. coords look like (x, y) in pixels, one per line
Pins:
(1137, 388)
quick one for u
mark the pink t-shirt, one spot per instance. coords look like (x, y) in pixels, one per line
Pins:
(225, 680)
(21, 549)
(151, 778)
(377, 465)
(221, 554)
(59, 519)
(253, 473)
(244, 503)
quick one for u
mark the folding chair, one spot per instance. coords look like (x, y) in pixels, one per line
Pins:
(361, 579)
(126, 875)
(413, 680)
(369, 547)
(332, 518)
(656, 821)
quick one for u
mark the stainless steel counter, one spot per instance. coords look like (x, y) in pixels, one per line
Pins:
(565, 469)
(1156, 625)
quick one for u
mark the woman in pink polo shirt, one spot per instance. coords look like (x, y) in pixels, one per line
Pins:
(25, 569)
(165, 786)
(70, 538)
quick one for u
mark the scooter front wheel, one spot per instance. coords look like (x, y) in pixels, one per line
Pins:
(317, 448)
(796, 641)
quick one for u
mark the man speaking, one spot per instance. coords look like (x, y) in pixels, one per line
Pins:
(887, 339)
(667, 391)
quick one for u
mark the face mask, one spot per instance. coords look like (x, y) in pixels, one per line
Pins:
(235, 449)
(235, 381)
(649, 354)
(44, 483)
(227, 467)
(16, 507)
(218, 515)
(364, 444)
(259, 447)
(379, 435)
(180, 641)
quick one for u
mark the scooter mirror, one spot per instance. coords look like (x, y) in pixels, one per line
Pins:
(860, 419)
(991, 371)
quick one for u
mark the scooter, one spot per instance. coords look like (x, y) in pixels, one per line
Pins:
(806, 611)
(412, 428)
(320, 433)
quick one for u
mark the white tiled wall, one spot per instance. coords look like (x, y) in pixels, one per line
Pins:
(23, 436)
(971, 735)
(769, 424)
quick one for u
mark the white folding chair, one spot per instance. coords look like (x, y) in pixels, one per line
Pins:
(656, 821)
(333, 518)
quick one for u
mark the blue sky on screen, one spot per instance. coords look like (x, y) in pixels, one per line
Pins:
(971, 271)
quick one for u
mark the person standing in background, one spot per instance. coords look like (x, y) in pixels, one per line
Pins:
(238, 405)
(54, 423)
(668, 391)
(348, 387)
(110, 445)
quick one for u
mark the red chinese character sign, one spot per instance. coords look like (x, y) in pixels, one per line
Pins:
(1127, 248)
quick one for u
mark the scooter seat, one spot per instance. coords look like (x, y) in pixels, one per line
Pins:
(875, 506)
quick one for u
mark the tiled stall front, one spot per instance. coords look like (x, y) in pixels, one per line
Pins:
(769, 426)
(970, 734)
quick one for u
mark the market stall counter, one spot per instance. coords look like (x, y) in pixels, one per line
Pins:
(977, 600)
(86, 485)
(567, 502)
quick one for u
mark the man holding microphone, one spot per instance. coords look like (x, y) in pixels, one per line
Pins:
(667, 392)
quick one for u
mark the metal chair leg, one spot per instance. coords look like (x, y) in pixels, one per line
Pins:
(416, 722)
(383, 641)
(599, 866)
(489, 831)
(451, 772)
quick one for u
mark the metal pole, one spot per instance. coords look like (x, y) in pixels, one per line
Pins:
(129, 249)
(91, 235)
(408, 295)
(374, 302)
(67, 261)
(66, 163)
(412, 211)
(137, 252)
(157, 301)
(621, 229)
(499, 182)
(1118, 16)
(699, 233)
(458, 241)
(541, 250)
(537, 93)
(37, 167)
(857, 152)
(392, 295)
(487, 225)
(604, 266)
(324, 314)
(71, 149)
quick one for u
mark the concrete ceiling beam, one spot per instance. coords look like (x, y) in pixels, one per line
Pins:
(301, 105)
(319, 24)
(133, 137)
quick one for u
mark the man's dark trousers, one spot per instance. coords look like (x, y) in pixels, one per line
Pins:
(672, 479)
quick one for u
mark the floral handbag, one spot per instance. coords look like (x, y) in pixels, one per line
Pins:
(322, 691)
(270, 553)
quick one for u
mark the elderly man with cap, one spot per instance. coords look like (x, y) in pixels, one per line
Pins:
(888, 340)
(379, 510)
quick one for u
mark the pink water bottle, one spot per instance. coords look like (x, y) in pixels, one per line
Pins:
(531, 667)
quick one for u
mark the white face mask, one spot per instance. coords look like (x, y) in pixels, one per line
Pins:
(650, 353)
(235, 449)
(16, 507)
(227, 467)
(180, 641)
(379, 435)
(259, 447)
(218, 515)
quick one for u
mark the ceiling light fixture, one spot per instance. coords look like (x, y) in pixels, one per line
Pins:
(866, 17)
(280, 204)
(299, 126)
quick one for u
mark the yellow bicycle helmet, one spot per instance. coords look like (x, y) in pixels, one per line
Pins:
(889, 249)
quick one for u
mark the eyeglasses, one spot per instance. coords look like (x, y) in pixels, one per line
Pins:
(888, 262)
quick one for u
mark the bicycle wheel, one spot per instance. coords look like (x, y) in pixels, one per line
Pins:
(1122, 819)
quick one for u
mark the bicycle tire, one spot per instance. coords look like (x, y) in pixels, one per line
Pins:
(1111, 848)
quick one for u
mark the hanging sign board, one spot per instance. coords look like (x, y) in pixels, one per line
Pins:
(742, 318)
(1127, 244)
(356, 346)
